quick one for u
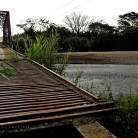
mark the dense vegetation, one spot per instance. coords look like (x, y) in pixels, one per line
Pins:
(125, 124)
(83, 34)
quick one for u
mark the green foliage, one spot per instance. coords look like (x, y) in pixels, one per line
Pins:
(31, 33)
(89, 87)
(13, 57)
(78, 76)
(85, 35)
(62, 64)
(18, 43)
(127, 119)
(77, 44)
(128, 19)
(124, 125)
(42, 51)
(7, 71)
(35, 24)
(106, 92)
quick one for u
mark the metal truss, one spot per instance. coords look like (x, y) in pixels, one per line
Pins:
(6, 27)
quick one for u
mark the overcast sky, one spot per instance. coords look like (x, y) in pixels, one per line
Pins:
(55, 10)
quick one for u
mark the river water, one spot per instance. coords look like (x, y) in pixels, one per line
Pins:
(104, 79)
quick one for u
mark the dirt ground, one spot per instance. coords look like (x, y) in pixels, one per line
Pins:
(125, 57)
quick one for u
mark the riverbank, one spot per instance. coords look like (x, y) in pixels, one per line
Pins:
(117, 57)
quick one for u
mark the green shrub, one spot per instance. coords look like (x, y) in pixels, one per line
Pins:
(77, 44)
(127, 119)
(18, 43)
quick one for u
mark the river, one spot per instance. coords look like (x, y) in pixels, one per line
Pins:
(105, 79)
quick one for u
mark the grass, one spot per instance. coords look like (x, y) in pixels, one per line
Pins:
(125, 124)
(78, 76)
(62, 64)
(7, 71)
(13, 57)
(41, 51)
(128, 116)
(105, 93)
(44, 51)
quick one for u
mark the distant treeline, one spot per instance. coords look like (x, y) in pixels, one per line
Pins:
(83, 34)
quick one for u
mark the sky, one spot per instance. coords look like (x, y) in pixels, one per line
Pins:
(56, 10)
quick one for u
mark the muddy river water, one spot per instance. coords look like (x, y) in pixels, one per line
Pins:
(102, 79)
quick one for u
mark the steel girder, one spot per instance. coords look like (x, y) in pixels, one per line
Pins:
(6, 27)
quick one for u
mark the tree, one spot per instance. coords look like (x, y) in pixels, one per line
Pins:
(128, 20)
(35, 24)
(62, 32)
(103, 36)
(77, 22)
(128, 27)
(98, 29)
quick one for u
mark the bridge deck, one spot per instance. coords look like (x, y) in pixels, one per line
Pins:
(37, 94)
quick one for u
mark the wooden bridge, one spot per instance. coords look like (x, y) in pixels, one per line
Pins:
(39, 98)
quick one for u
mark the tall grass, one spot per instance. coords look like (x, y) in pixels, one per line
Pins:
(43, 51)
(62, 64)
(6, 69)
(78, 76)
(13, 57)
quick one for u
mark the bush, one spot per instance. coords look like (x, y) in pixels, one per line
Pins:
(18, 43)
(128, 116)
(125, 124)
(77, 44)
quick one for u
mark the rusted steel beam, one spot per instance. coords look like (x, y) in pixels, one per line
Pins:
(54, 109)
(85, 113)
(43, 104)
(5, 24)
(18, 113)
